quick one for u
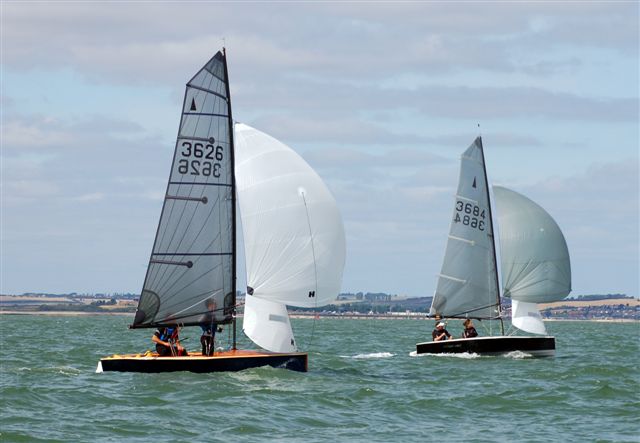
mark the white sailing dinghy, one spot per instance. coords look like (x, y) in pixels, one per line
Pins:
(534, 263)
(293, 235)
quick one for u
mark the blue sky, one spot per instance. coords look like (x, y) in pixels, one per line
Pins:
(380, 98)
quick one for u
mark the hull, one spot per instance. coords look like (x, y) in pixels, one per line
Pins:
(220, 362)
(535, 346)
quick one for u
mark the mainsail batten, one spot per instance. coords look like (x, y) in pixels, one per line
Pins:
(193, 256)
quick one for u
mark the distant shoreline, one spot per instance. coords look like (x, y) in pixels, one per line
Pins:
(300, 316)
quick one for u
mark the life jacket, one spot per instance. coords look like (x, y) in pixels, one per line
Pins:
(168, 334)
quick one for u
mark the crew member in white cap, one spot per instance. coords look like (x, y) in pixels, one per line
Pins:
(440, 333)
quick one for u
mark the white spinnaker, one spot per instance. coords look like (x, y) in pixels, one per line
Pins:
(467, 283)
(534, 255)
(267, 324)
(293, 233)
(526, 317)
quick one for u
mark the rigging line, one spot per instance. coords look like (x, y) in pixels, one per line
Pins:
(315, 269)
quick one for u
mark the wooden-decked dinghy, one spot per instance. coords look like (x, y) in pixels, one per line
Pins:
(237, 360)
(293, 237)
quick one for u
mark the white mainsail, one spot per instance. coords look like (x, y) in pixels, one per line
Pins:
(293, 235)
(467, 284)
(534, 258)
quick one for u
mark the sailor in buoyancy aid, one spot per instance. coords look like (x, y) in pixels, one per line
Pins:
(167, 342)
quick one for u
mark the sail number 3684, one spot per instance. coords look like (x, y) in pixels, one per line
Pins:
(469, 215)
(204, 162)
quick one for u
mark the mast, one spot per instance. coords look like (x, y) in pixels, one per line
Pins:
(493, 237)
(233, 196)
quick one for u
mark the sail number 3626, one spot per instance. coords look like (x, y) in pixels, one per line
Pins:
(203, 161)
(469, 215)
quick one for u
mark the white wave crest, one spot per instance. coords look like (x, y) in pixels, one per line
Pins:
(517, 355)
(373, 355)
(463, 355)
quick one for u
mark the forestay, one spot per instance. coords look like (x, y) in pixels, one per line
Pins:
(534, 255)
(467, 285)
(192, 258)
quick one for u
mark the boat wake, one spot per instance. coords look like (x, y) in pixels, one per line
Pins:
(372, 355)
(517, 355)
(462, 355)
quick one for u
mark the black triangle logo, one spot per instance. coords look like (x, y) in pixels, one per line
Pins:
(474, 182)
(193, 104)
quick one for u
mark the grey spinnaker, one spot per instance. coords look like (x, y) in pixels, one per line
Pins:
(534, 255)
(467, 285)
(192, 260)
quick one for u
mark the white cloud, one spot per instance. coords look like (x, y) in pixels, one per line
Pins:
(380, 99)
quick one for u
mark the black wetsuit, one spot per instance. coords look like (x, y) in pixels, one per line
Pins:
(435, 333)
(469, 332)
(207, 339)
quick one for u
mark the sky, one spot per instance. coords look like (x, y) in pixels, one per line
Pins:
(380, 98)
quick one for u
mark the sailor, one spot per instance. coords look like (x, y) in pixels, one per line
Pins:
(167, 342)
(209, 328)
(469, 330)
(440, 333)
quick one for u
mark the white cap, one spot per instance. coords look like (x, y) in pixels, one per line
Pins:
(440, 324)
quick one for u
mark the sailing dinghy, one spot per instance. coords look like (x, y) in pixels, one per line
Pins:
(534, 263)
(293, 235)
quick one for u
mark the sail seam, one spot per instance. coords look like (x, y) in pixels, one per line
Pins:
(192, 253)
(201, 183)
(200, 88)
(467, 199)
(206, 114)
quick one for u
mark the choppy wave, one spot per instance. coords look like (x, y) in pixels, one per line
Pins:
(350, 393)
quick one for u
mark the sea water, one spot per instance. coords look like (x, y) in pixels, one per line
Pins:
(363, 385)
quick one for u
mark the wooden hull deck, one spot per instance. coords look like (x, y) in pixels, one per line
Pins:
(224, 361)
(498, 345)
